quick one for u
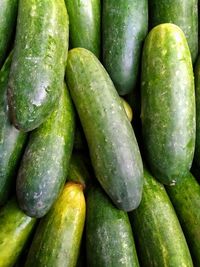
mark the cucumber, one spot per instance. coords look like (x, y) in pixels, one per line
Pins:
(183, 13)
(8, 17)
(85, 15)
(45, 163)
(12, 141)
(109, 238)
(185, 198)
(158, 234)
(197, 91)
(168, 103)
(16, 228)
(113, 148)
(39, 59)
(124, 28)
(127, 108)
(58, 235)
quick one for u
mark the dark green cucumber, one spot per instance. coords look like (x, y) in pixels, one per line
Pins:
(16, 228)
(39, 59)
(185, 198)
(124, 27)
(183, 13)
(58, 236)
(109, 238)
(113, 148)
(12, 141)
(168, 103)
(158, 234)
(45, 163)
(197, 91)
(85, 24)
(8, 17)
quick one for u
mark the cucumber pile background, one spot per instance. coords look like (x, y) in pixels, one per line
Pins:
(99, 133)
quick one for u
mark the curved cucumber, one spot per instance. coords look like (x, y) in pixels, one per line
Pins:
(109, 238)
(168, 103)
(158, 233)
(85, 15)
(12, 141)
(183, 13)
(45, 163)
(16, 228)
(124, 28)
(8, 17)
(38, 65)
(58, 235)
(113, 148)
(185, 198)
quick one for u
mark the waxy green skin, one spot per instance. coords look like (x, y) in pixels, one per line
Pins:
(183, 13)
(38, 65)
(185, 198)
(168, 103)
(58, 236)
(113, 148)
(8, 17)
(197, 91)
(85, 24)
(109, 238)
(158, 234)
(124, 27)
(16, 228)
(12, 141)
(45, 163)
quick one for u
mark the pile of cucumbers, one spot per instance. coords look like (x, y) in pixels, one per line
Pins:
(99, 133)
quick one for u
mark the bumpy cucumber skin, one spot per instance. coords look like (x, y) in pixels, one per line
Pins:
(45, 163)
(168, 103)
(183, 13)
(8, 17)
(185, 198)
(58, 236)
(124, 28)
(38, 65)
(15, 227)
(113, 148)
(158, 234)
(109, 238)
(85, 24)
(12, 141)
(197, 91)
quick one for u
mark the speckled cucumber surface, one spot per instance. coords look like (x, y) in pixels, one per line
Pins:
(159, 238)
(183, 13)
(112, 144)
(39, 60)
(168, 103)
(45, 163)
(124, 28)
(58, 236)
(12, 141)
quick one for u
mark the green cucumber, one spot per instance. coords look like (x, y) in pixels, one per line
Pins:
(12, 141)
(39, 59)
(16, 228)
(158, 234)
(85, 24)
(113, 148)
(168, 103)
(185, 198)
(8, 17)
(183, 13)
(58, 236)
(109, 238)
(197, 91)
(124, 28)
(45, 163)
